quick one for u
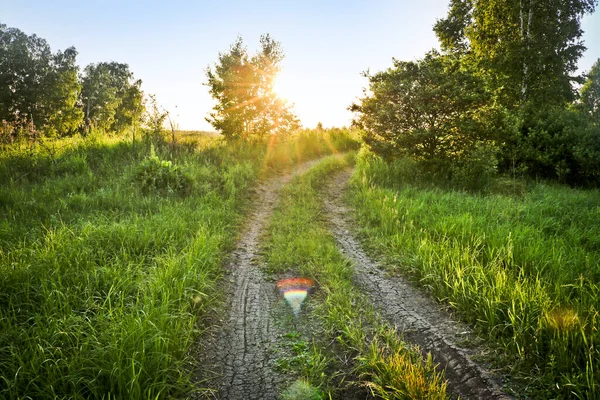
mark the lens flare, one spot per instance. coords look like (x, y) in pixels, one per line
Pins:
(294, 291)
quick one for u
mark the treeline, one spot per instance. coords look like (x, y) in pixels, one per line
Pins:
(501, 95)
(44, 94)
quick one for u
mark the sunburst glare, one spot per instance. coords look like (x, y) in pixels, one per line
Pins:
(282, 86)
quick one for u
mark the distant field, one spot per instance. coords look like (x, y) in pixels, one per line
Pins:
(195, 134)
(524, 268)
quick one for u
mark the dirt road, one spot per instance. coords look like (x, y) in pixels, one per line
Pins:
(423, 321)
(241, 354)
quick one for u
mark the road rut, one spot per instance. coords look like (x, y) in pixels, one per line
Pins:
(240, 354)
(423, 321)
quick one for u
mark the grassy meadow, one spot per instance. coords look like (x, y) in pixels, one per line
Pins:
(521, 262)
(110, 252)
(110, 255)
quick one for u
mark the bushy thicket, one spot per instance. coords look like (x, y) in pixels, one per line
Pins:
(161, 176)
(561, 144)
(497, 97)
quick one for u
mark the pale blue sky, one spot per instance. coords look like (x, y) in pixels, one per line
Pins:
(169, 44)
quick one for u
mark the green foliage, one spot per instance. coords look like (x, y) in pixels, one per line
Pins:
(111, 98)
(590, 94)
(101, 286)
(526, 53)
(554, 143)
(306, 360)
(525, 50)
(242, 85)
(586, 152)
(42, 90)
(154, 120)
(433, 110)
(36, 86)
(301, 390)
(523, 269)
(154, 175)
(476, 173)
(451, 31)
(477, 170)
(103, 290)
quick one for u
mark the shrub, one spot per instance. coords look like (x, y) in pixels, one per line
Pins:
(154, 175)
(556, 144)
(476, 171)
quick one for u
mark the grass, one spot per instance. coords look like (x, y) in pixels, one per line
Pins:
(522, 267)
(105, 287)
(299, 243)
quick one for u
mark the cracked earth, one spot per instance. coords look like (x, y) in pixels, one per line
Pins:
(240, 354)
(423, 321)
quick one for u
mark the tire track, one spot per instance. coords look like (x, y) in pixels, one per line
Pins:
(423, 321)
(240, 354)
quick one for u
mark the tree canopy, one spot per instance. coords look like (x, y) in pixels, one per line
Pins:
(43, 91)
(505, 81)
(527, 50)
(36, 86)
(430, 109)
(242, 85)
(590, 93)
(110, 96)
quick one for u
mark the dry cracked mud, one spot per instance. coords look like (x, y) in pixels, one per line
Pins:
(423, 321)
(240, 354)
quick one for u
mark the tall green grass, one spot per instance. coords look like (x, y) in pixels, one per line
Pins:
(103, 288)
(299, 243)
(523, 268)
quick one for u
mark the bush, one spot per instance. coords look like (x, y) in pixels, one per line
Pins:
(587, 153)
(555, 144)
(154, 175)
(432, 109)
(477, 171)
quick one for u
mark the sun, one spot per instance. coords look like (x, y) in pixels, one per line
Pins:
(281, 87)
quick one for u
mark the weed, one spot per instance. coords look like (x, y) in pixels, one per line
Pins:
(301, 390)
(154, 175)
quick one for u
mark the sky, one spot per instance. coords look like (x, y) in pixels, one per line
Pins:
(170, 44)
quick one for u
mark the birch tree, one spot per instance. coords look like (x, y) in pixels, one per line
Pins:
(527, 50)
(110, 96)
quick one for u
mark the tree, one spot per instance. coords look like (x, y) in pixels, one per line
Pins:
(526, 50)
(433, 110)
(36, 86)
(110, 96)
(131, 108)
(61, 90)
(590, 93)
(451, 30)
(242, 85)
(23, 61)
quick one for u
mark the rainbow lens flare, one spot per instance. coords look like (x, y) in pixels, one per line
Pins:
(294, 291)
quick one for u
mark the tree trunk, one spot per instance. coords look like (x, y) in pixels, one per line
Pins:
(526, 39)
